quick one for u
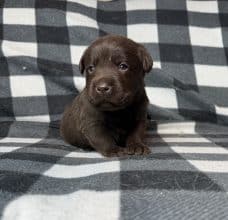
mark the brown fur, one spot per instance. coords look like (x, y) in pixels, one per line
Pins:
(109, 115)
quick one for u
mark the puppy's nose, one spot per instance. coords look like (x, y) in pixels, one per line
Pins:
(103, 88)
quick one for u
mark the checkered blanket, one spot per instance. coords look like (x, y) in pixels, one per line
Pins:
(185, 177)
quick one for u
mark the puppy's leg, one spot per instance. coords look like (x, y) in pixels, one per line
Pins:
(102, 141)
(134, 143)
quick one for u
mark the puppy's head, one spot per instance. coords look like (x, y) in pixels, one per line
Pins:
(115, 67)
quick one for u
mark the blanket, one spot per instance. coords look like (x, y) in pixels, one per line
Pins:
(185, 176)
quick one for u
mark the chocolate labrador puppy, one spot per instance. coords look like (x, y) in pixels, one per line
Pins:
(110, 114)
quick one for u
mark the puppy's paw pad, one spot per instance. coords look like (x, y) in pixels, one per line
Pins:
(115, 152)
(146, 150)
(137, 149)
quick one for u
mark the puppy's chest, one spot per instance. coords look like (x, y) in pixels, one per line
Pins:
(120, 121)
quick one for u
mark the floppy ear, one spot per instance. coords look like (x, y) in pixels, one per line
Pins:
(82, 64)
(145, 58)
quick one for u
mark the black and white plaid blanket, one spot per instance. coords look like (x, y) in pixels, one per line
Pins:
(186, 176)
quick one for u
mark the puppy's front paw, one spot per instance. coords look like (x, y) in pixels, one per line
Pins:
(114, 152)
(137, 149)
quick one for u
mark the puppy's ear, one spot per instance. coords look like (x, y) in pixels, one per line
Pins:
(82, 64)
(145, 58)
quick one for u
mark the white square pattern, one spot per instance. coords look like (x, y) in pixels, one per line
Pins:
(24, 16)
(163, 97)
(28, 85)
(37, 118)
(79, 82)
(12, 48)
(209, 37)
(203, 6)
(76, 19)
(221, 110)
(140, 5)
(76, 53)
(88, 3)
(81, 204)
(143, 33)
(208, 75)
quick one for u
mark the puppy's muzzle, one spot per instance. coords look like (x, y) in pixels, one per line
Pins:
(103, 88)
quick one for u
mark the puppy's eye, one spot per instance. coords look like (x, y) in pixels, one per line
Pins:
(123, 66)
(90, 68)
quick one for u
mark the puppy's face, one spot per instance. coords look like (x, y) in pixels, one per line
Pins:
(115, 67)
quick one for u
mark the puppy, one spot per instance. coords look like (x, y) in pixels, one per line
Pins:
(110, 114)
